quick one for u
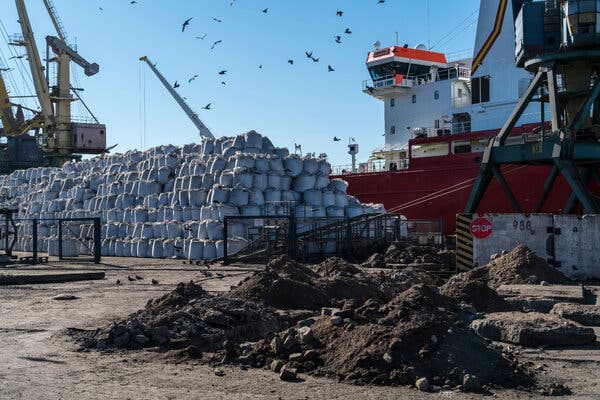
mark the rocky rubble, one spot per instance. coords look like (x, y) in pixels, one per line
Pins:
(339, 320)
(417, 334)
(188, 322)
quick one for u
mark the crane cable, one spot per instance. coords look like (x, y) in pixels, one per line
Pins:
(19, 66)
(452, 33)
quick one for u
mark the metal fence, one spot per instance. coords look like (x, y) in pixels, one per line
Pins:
(313, 239)
(37, 239)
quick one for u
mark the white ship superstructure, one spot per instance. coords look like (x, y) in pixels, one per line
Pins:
(425, 95)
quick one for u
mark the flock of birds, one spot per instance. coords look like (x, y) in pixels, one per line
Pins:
(309, 54)
(206, 272)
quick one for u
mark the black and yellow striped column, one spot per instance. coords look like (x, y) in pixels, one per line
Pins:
(464, 242)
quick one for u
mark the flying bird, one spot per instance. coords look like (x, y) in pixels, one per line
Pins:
(154, 282)
(201, 37)
(130, 279)
(308, 54)
(260, 66)
(176, 85)
(186, 23)
(336, 139)
(291, 62)
(347, 31)
(139, 278)
(223, 72)
(370, 89)
(207, 107)
(101, 9)
(330, 68)
(380, 1)
(192, 78)
(339, 13)
(215, 43)
(315, 59)
(223, 83)
(133, 2)
(218, 20)
(338, 39)
(118, 281)
(265, 10)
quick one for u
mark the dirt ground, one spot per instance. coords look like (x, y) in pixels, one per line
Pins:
(39, 361)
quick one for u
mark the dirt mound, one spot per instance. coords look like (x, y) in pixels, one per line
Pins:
(407, 253)
(522, 265)
(519, 266)
(472, 288)
(288, 285)
(188, 322)
(335, 266)
(419, 333)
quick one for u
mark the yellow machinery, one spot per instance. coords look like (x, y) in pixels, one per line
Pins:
(56, 137)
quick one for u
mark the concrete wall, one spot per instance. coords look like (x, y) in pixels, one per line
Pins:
(569, 242)
(510, 230)
(577, 245)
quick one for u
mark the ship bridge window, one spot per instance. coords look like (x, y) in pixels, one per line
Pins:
(392, 102)
(394, 68)
(429, 150)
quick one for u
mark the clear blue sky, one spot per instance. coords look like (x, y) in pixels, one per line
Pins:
(302, 103)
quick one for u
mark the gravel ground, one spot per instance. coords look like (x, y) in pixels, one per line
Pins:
(39, 361)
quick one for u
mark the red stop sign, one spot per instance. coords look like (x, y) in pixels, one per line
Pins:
(481, 228)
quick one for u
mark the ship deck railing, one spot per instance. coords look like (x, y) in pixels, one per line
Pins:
(371, 167)
(452, 128)
(400, 80)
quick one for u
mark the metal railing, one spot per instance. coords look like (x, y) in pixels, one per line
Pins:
(371, 166)
(395, 81)
(311, 239)
(452, 128)
(66, 238)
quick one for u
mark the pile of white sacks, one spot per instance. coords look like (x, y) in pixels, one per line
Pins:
(171, 201)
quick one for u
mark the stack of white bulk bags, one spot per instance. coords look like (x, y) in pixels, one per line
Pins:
(171, 201)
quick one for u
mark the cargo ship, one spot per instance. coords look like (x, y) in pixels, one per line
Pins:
(440, 115)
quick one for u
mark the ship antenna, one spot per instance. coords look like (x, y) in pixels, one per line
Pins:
(428, 26)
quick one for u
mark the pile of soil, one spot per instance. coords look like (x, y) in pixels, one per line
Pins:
(476, 287)
(472, 288)
(419, 333)
(407, 253)
(522, 266)
(285, 284)
(187, 322)
(335, 266)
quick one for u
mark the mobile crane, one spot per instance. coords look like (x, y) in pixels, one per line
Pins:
(203, 130)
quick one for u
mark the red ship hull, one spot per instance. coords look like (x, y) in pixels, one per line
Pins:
(439, 187)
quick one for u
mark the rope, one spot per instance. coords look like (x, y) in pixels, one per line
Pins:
(444, 192)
